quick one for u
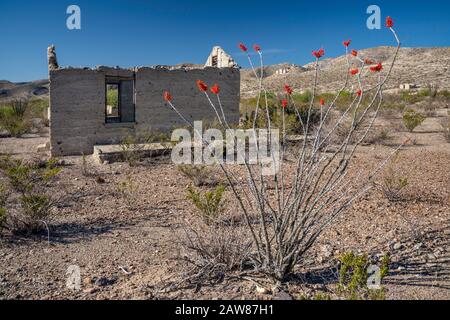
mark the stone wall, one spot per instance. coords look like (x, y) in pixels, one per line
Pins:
(78, 99)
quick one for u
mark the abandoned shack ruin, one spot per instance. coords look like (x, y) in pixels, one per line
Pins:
(101, 106)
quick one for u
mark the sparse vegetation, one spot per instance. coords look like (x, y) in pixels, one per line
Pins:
(27, 182)
(133, 145)
(412, 119)
(127, 189)
(12, 118)
(200, 176)
(209, 204)
(393, 182)
(445, 123)
(354, 276)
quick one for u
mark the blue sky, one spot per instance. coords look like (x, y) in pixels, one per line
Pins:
(148, 32)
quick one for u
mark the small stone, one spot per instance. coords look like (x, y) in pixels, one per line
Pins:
(282, 296)
(398, 246)
(90, 290)
(401, 268)
(87, 281)
(262, 290)
(431, 257)
(418, 246)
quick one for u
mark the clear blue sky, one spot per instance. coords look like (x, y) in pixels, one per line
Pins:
(148, 32)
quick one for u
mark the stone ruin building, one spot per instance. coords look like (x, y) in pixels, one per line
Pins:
(81, 116)
(220, 59)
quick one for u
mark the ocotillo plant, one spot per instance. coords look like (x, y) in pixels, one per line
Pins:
(320, 188)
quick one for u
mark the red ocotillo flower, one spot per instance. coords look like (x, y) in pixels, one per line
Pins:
(377, 68)
(319, 54)
(284, 103)
(347, 43)
(257, 48)
(215, 89)
(322, 102)
(243, 47)
(354, 72)
(167, 96)
(389, 22)
(359, 93)
(202, 86)
(354, 53)
(288, 89)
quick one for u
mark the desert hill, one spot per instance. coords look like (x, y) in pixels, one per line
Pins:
(419, 66)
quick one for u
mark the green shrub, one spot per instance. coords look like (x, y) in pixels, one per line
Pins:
(353, 277)
(412, 119)
(13, 120)
(410, 98)
(28, 182)
(209, 204)
(444, 93)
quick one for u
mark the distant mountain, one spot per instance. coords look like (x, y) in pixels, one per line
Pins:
(419, 66)
(23, 90)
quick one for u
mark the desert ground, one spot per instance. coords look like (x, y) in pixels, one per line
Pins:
(129, 245)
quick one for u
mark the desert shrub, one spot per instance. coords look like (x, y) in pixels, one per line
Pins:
(410, 98)
(199, 175)
(32, 207)
(445, 123)
(127, 190)
(393, 181)
(378, 136)
(133, 145)
(12, 118)
(214, 251)
(209, 204)
(429, 91)
(412, 119)
(353, 277)
(444, 93)
(3, 200)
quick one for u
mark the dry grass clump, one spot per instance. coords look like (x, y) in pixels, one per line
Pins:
(25, 205)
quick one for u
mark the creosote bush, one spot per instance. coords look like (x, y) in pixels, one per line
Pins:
(29, 208)
(209, 204)
(412, 119)
(353, 277)
(200, 176)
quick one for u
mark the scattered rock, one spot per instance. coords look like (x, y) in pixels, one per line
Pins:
(90, 290)
(262, 290)
(398, 246)
(282, 296)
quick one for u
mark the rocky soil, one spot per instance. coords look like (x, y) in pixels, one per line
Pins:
(128, 246)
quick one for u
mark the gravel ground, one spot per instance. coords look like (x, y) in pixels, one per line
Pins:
(126, 247)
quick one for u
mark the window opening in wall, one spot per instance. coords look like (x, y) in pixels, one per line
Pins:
(119, 106)
(112, 102)
(215, 61)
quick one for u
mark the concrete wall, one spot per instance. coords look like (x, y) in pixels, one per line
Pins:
(77, 103)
